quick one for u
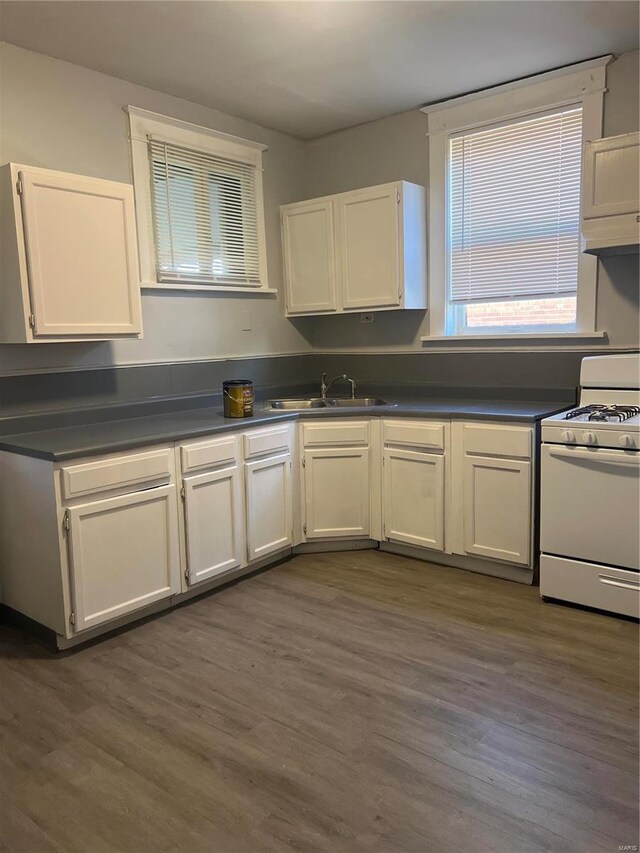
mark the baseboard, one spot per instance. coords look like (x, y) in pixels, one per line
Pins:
(519, 574)
(329, 546)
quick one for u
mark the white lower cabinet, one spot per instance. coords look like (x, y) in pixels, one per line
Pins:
(214, 523)
(269, 514)
(336, 493)
(113, 537)
(492, 491)
(413, 498)
(123, 554)
(497, 508)
(336, 479)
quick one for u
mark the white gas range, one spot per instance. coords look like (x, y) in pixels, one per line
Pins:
(590, 491)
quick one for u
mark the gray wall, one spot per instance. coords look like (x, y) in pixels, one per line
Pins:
(396, 148)
(61, 116)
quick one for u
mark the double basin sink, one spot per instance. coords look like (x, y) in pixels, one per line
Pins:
(326, 403)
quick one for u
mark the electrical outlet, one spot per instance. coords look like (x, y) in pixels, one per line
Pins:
(367, 318)
(245, 321)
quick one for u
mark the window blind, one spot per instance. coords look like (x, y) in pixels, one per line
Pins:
(204, 216)
(514, 209)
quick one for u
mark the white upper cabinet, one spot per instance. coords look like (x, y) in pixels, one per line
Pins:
(369, 247)
(611, 195)
(307, 239)
(356, 251)
(69, 260)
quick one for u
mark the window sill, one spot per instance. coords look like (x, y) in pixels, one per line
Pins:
(517, 337)
(210, 288)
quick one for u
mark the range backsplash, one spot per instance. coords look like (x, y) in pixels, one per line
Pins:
(512, 373)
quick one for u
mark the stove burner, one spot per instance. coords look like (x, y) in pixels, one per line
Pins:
(604, 413)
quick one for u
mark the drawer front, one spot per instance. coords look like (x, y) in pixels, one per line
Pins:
(261, 442)
(337, 433)
(209, 454)
(616, 590)
(117, 472)
(413, 434)
(498, 440)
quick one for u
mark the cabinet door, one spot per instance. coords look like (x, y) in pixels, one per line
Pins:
(269, 522)
(413, 499)
(337, 492)
(214, 523)
(368, 246)
(611, 176)
(80, 241)
(123, 554)
(497, 508)
(309, 259)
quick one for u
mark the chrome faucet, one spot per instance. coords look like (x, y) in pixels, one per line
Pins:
(324, 387)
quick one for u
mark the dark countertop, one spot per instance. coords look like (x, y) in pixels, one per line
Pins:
(85, 439)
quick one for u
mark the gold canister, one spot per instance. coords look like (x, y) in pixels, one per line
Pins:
(238, 397)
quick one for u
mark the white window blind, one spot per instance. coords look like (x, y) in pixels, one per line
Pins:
(204, 216)
(514, 209)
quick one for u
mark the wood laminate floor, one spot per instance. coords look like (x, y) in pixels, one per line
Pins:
(355, 702)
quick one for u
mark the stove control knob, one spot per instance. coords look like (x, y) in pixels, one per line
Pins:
(589, 437)
(627, 441)
(568, 435)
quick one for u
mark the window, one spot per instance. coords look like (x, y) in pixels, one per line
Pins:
(514, 225)
(504, 208)
(199, 206)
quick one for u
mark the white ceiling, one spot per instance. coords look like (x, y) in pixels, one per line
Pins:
(309, 68)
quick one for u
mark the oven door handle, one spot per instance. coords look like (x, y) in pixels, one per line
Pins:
(597, 455)
(632, 585)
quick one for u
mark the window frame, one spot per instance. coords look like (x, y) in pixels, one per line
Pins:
(580, 85)
(144, 125)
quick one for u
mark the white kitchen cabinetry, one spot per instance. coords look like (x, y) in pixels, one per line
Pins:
(268, 491)
(213, 499)
(356, 251)
(120, 517)
(492, 492)
(114, 540)
(123, 554)
(106, 543)
(69, 258)
(269, 525)
(309, 257)
(336, 473)
(413, 486)
(611, 195)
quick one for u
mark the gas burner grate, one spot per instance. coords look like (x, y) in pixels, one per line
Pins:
(604, 413)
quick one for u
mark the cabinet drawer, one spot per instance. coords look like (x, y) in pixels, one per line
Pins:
(606, 588)
(336, 433)
(497, 440)
(116, 472)
(264, 441)
(209, 454)
(413, 434)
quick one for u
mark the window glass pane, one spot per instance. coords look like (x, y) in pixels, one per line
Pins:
(513, 209)
(560, 311)
(205, 216)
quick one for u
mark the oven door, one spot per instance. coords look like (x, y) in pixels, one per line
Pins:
(590, 504)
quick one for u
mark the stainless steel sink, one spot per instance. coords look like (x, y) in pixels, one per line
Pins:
(294, 405)
(327, 403)
(356, 401)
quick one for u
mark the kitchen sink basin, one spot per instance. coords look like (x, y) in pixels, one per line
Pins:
(356, 401)
(328, 403)
(294, 405)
